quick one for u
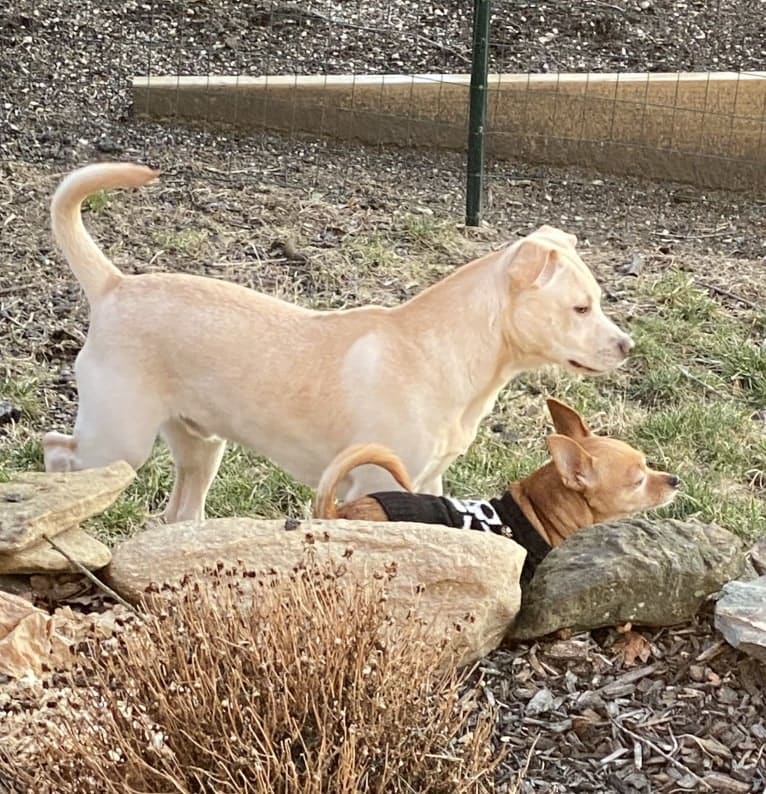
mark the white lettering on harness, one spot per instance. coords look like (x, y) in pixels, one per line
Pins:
(477, 514)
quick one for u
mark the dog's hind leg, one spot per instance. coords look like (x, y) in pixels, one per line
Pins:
(196, 460)
(116, 422)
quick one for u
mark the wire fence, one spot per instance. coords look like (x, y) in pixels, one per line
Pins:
(320, 68)
(672, 91)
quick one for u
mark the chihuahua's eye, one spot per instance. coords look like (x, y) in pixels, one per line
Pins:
(639, 483)
(582, 309)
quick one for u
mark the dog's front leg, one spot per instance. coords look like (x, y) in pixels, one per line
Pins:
(59, 452)
(196, 460)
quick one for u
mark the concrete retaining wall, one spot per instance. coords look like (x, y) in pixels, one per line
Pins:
(705, 128)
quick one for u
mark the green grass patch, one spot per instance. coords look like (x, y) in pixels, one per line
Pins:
(186, 240)
(246, 485)
(689, 346)
(97, 202)
(21, 454)
(687, 397)
(23, 391)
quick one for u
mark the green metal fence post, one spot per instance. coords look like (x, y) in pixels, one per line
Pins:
(478, 112)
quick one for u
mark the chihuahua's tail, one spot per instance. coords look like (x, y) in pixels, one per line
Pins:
(96, 274)
(344, 462)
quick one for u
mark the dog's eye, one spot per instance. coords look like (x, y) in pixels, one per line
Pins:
(582, 309)
(639, 483)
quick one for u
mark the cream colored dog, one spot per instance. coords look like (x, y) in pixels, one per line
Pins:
(201, 361)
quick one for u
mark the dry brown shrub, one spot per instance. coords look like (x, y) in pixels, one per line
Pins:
(301, 684)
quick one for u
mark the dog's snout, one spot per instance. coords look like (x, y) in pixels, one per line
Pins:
(626, 344)
(674, 481)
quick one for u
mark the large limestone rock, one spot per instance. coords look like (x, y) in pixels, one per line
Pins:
(654, 573)
(43, 558)
(40, 503)
(740, 615)
(465, 579)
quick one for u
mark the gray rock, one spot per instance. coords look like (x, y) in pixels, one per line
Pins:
(654, 573)
(463, 584)
(758, 557)
(38, 503)
(740, 615)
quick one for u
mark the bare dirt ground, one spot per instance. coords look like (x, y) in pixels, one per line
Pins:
(227, 204)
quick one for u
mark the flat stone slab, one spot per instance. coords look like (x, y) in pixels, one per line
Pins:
(41, 557)
(46, 503)
(740, 615)
(451, 578)
(647, 572)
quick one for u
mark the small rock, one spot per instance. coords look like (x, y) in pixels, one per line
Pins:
(9, 413)
(44, 503)
(43, 558)
(652, 573)
(455, 580)
(740, 615)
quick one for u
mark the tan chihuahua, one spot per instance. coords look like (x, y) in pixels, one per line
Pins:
(590, 479)
(200, 361)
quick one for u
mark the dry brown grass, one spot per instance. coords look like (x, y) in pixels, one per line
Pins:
(302, 684)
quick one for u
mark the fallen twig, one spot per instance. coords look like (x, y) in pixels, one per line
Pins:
(658, 749)
(712, 389)
(14, 288)
(726, 294)
(96, 581)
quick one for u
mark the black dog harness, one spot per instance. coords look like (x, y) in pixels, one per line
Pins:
(501, 516)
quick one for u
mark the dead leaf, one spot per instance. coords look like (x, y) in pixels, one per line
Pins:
(28, 641)
(24, 637)
(711, 746)
(633, 646)
(12, 609)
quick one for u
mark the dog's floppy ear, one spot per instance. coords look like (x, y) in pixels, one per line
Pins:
(532, 263)
(574, 465)
(567, 421)
(558, 236)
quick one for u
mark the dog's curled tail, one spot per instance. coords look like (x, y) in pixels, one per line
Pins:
(344, 462)
(90, 265)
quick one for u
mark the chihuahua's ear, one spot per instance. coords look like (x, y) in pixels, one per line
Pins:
(567, 421)
(574, 465)
(533, 263)
(562, 238)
